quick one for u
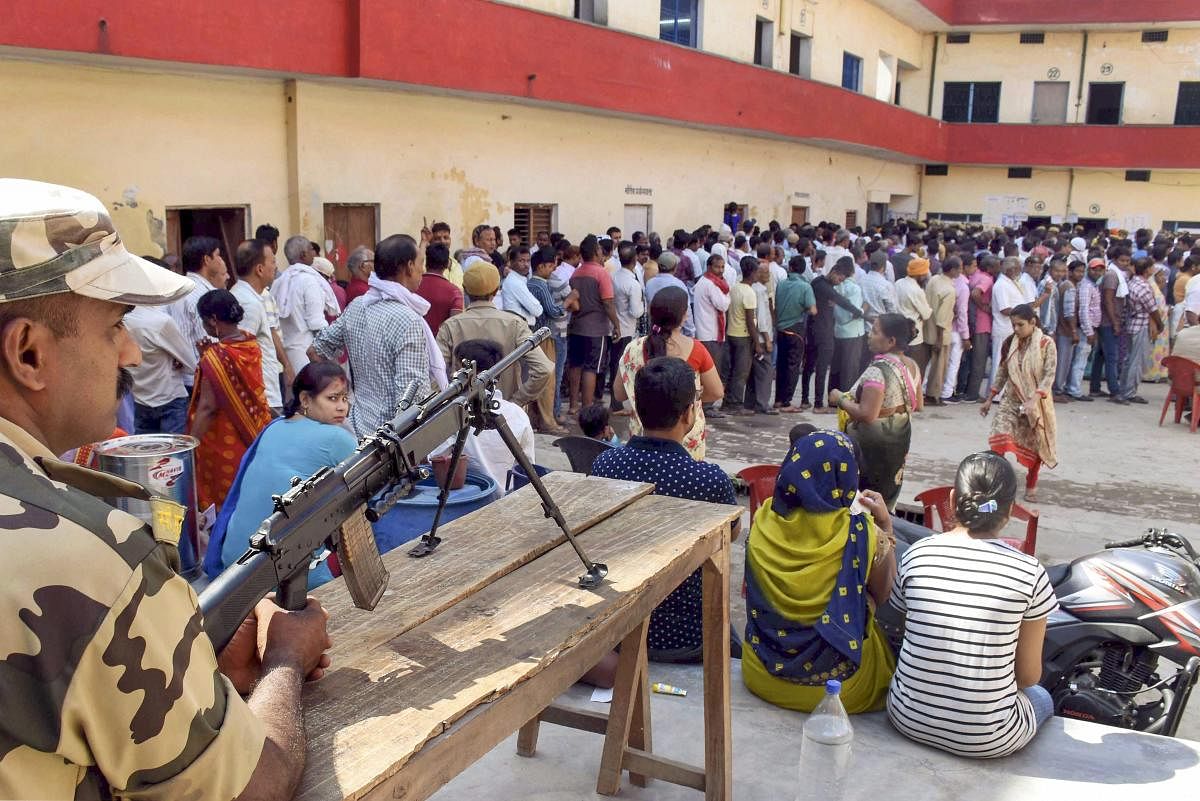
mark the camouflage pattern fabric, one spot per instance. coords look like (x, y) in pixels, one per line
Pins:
(56, 239)
(108, 685)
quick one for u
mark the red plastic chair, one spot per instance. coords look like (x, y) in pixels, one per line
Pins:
(937, 511)
(1182, 373)
(760, 479)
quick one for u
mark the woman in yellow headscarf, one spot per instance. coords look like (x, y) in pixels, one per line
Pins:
(818, 561)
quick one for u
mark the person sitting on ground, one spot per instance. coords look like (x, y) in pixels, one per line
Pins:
(667, 312)
(879, 407)
(819, 559)
(593, 421)
(665, 398)
(976, 612)
(487, 449)
(308, 437)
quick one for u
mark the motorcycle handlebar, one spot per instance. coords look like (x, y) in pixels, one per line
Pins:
(1160, 537)
(1127, 543)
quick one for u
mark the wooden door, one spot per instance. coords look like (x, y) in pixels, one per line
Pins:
(348, 226)
(800, 215)
(225, 224)
(1050, 102)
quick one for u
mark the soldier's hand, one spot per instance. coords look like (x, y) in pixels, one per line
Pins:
(239, 660)
(294, 638)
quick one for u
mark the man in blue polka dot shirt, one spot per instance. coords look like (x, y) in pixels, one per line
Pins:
(665, 393)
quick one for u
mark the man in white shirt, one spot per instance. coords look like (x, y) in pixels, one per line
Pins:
(204, 264)
(710, 302)
(515, 288)
(1006, 296)
(160, 399)
(840, 248)
(255, 264)
(1191, 302)
(630, 301)
(486, 449)
(303, 297)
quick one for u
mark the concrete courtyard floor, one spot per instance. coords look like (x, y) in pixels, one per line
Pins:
(1118, 473)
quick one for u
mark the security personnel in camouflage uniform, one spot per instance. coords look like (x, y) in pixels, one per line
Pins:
(108, 684)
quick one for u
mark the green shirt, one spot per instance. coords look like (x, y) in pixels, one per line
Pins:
(793, 298)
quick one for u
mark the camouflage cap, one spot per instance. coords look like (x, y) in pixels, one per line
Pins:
(56, 239)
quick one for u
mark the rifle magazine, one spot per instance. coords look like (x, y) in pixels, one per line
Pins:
(362, 566)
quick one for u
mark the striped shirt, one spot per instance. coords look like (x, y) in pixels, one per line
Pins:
(955, 685)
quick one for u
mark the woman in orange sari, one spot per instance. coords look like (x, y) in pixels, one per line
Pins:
(229, 407)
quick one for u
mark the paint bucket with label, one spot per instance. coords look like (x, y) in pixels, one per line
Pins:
(165, 464)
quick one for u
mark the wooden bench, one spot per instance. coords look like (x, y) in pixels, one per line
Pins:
(477, 640)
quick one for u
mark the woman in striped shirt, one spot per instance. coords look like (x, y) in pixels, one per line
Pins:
(976, 608)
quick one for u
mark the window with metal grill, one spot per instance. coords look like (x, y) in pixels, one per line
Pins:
(1020, 172)
(1179, 226)
(851, 219)
(529, 218)
(971, 102)
(1154, 36)
(1033, 37)
(1187, 105)
(958, 38)
(1137, 175)
(954, 216)
(678, 22)
(937, 169)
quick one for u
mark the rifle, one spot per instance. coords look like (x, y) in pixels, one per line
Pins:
(328, 508)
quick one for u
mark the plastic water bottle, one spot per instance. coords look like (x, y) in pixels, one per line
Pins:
(825, 751)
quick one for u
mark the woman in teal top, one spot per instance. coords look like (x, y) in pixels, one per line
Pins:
(308, 437)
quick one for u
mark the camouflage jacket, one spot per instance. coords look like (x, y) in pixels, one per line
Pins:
(108, 685)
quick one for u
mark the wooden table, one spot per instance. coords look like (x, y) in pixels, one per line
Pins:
(477, 640)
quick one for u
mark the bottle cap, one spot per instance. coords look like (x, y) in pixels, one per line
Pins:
(833, 687)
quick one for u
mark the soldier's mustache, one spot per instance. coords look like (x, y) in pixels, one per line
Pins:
(124, 382)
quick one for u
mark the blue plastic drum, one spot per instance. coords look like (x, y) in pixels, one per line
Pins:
(413, 516)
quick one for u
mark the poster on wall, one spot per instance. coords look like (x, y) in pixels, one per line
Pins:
(1005, 210)
(1130, 222)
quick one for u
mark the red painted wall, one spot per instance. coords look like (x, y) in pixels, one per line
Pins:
(490, 49)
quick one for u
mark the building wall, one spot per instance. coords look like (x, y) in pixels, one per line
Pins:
(1151, 71)
(155, 141)
(1094, 194)
(143, 142)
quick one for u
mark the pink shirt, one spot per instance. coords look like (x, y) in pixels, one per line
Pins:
(983, 313)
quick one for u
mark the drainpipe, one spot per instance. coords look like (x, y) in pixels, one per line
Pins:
(933, 75)
(1070, 189)
(1082, 69)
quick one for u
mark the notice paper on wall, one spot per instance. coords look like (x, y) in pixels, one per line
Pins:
(1130, 222)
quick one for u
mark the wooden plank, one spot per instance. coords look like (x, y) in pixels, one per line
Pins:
(639, 729)
(666, 769)
(620, 710)
(536, 622)
(581, 719)
(476, 550)
(718, 738)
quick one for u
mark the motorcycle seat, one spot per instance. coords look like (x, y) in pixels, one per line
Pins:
(1058, 573)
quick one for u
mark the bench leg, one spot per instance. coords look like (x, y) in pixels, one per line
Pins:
(718, 748)
(527, 738)
(639, 732)
(620, 713)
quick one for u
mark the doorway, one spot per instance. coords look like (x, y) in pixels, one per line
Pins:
(638, 217)
(877, 214)
(1037, 222)
(1104, 103)
(800, 215)
(1050, 102)
(348, 226)
(226, 224)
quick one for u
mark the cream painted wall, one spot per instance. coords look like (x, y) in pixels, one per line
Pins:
(865, 30)
(142, 142)
(1151, 71)
(634, 16)
(1001, 57)
(469, 162)
(1103, 194)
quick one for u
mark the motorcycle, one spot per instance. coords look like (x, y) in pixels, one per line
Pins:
(1121, 610)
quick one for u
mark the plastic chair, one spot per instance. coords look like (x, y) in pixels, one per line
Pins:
(939, 516)
(1182, 374)
(760, 479)
(517, 478)
(581, 452)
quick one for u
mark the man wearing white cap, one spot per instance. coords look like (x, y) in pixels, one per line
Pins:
(110, 685)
